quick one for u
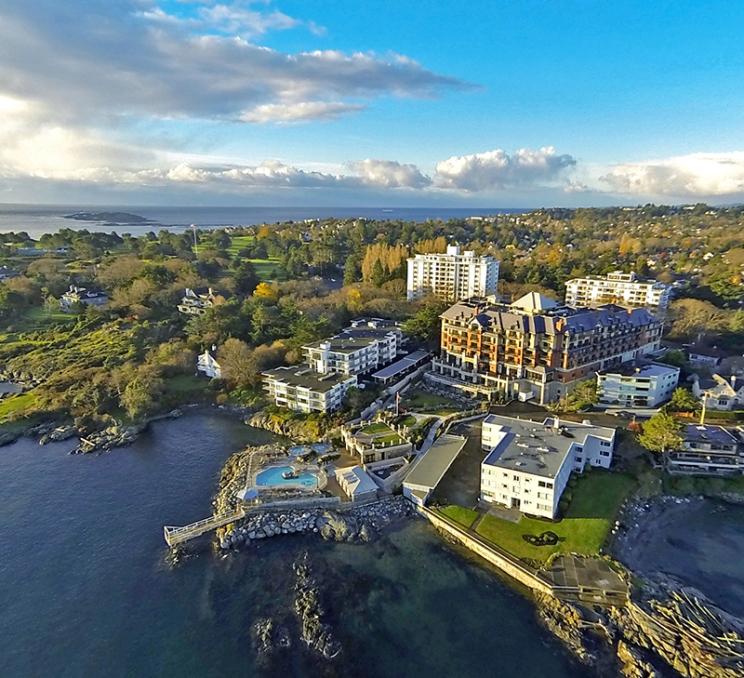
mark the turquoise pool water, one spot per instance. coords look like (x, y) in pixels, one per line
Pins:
(273, 476)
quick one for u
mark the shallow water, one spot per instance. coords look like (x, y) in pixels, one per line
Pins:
(700, 543)
(86, 591)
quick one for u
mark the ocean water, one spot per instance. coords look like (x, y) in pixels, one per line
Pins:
(37, 220)
(86, 590)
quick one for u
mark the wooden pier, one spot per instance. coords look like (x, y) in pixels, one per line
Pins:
(177, 535)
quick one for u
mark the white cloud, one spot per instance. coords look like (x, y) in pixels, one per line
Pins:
(685, 176)
(300, 111)
(497, 170)
(101, 61)
(390, 174)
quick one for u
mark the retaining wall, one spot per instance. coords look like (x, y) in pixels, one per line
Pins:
(511, 566)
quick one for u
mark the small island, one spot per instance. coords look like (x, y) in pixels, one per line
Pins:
(109, 217)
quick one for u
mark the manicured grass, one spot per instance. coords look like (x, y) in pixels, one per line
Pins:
(465, 516)
(430, 401)
(409, 420)
(238, 242)
(267, 269)
(596, 499)
(378, 427)
(17, 406)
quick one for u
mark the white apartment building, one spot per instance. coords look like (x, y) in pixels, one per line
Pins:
(530, 462)
(620, 288)
(366, 345)
(299, 388)
(637, 385)
(452, 276)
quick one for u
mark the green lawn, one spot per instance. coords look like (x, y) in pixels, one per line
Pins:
(423, 400)
(465, 516)
(16, 406)
(267, 269)
(378, 427)
(596, 499)
(238, 242)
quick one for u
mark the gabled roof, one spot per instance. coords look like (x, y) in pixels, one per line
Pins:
(533, 302)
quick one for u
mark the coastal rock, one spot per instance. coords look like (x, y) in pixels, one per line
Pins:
(269, 636)
(633, 664)
(314, 632)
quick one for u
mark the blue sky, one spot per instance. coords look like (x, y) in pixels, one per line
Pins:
(371, 103)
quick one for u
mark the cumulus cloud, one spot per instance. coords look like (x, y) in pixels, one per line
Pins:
(96, 61)
(300, 111)
(694, 175)
(390, 174)
(497, 170)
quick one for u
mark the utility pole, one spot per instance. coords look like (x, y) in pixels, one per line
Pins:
(196, 241)
(702, 412)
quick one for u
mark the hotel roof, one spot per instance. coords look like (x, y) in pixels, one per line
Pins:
(538, 448)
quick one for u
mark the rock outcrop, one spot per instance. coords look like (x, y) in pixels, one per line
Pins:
(314, 631)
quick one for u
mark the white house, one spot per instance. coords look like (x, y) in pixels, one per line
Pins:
(82, 295)
(617, 287)
(208, 365)
(197, 301)
(637, 384)
(356, 483)
(530, 462)
(718, 392)
(452, 276)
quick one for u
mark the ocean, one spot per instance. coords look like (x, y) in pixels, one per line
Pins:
(86, 588)
(37, 220)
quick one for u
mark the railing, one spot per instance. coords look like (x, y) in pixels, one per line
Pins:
(177, 535)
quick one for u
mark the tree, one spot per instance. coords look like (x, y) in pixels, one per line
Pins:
(236, 362)
(683, 401)
(661, 433)
(246, 278)
(424, 325)
(583, 396)
(141, 393)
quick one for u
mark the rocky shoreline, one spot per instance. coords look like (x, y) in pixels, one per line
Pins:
(674, 630)
(355, 524)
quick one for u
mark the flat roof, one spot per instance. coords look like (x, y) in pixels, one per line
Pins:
(535, 447)
(401, 365)
(641, 370)
(709, 434)
(429, 468)
(304, 377)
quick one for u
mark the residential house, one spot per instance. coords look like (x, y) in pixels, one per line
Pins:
(529, 462)
(705, 356)
(207, 364)
(82, 295)
(708, 450)
(197, 301)
(719, 392)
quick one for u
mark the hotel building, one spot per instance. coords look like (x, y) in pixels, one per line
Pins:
(535, 348)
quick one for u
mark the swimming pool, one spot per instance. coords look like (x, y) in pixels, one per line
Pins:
(272, 477)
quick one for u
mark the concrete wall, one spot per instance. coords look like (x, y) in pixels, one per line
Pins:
(511, 566)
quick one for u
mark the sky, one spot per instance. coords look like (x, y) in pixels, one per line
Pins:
(371, 103)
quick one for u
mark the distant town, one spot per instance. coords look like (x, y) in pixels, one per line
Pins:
(523, 382)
